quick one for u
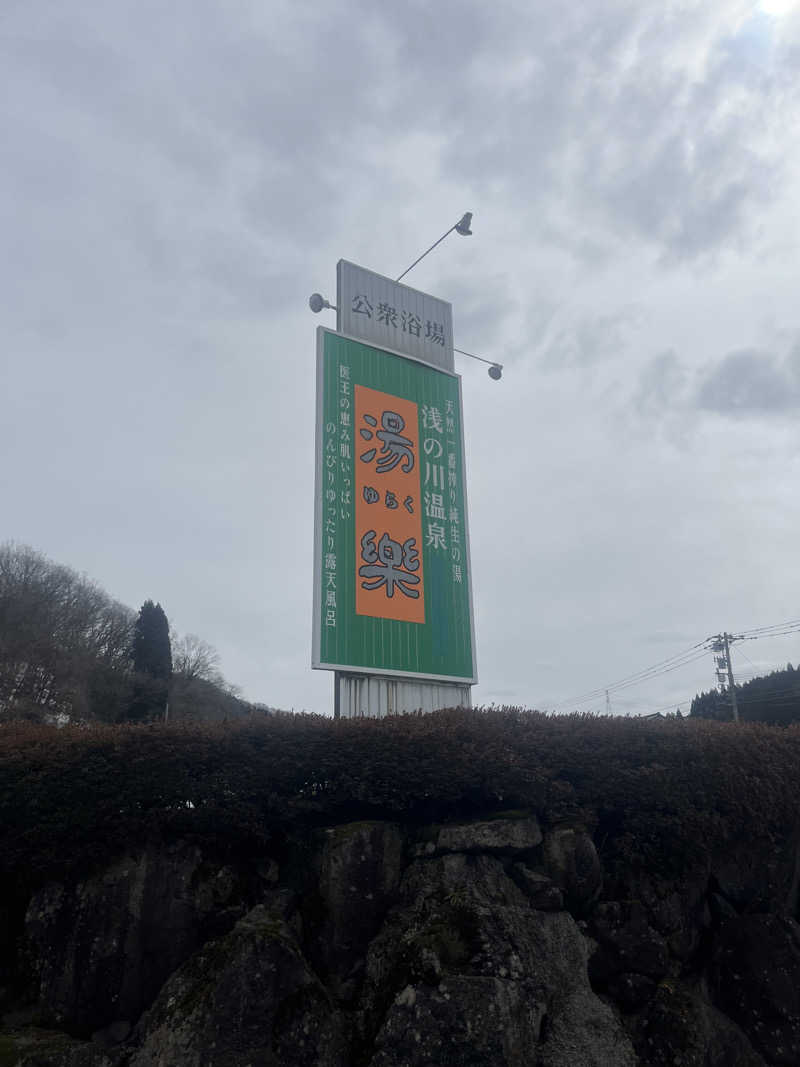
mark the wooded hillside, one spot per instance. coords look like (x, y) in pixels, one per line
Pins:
(71, 652)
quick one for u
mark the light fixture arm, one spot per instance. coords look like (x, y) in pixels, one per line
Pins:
(317, 302)
(462, 226)
(495, 369)
(472, 355)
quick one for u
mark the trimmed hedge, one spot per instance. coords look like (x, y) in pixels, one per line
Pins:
(659, 793)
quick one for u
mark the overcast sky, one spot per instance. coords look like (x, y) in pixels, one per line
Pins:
(178, 178)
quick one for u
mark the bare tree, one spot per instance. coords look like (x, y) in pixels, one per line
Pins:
(56, 629)
(66, 649)
(194, 658)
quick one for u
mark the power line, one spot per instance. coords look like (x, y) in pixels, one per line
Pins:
(639, 679)
(756, 669)
(627, 684)
(780, 631)
(682, 659)
(794, 623)
(776, 631)
(768, 697)
(673, 705)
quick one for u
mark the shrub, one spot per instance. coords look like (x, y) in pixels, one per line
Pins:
(659, 792)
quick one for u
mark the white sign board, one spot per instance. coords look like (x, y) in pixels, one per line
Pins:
(385, 313)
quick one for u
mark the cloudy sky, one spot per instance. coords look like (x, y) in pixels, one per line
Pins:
(178, 178)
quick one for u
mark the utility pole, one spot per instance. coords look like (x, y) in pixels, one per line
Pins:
(608, 703)
(726, 639)
(721, 643)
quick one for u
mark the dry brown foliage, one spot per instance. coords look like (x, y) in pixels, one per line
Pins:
(656, 792)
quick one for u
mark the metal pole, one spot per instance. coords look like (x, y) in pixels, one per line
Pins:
(731, 685)
(424, 254)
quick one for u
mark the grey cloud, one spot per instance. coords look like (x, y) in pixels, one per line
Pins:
(751, 382)
(482, 309)
(662, 382)
(591, 339)
(635, 147)
(181, 176)
(260, 118)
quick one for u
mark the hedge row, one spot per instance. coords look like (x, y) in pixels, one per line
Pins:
(658, 792)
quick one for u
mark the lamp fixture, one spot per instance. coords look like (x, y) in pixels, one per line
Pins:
(317, 302)
(495, 369)
(462, 227)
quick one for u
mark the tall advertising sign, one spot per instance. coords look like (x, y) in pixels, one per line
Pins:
(392, 587)
(390, 315)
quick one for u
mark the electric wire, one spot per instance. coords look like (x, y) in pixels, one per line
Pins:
(683, 659)
(779, 630)
(628, 683)
(774, 626)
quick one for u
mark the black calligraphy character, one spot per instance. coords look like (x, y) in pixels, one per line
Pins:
(390, 500)
(384, 565)
(371, 421)
(369, 455)
(410, 554)
(372, 496)
(434, 332)
(387, 314)
(395, 446)
(411, 323)
(408, 504)
(361, 306)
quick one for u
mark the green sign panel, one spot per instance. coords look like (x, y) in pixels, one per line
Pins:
(391, 576)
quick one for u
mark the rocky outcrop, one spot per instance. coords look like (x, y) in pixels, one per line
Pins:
(493, 837)
(572, 862)
(465, 970)
(249, 997)
(378, 944)
(360, 870)
(101, 949)
(755, 978)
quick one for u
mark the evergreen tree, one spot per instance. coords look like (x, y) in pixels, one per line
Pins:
(152, 662)
(152, 652)
(772, 698)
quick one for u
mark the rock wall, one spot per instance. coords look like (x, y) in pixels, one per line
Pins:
(375, 944)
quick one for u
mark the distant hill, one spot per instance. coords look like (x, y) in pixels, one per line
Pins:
(773, 698)
(66, 652)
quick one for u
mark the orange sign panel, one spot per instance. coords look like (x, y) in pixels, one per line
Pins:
(388, 542)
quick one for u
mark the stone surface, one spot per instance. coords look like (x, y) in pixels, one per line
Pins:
(376, 944)
(466, 971)
(677, 909)
(101, 949)
(42, 1048)
(502, 835)
(113, 1034)
(572, 862)
(360, 872)
(542, 892)
(626, 946)
(754, 879)
(755, 979)
(469, 1021)
(247, 998)
(582, 1031)
(680, 1026)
